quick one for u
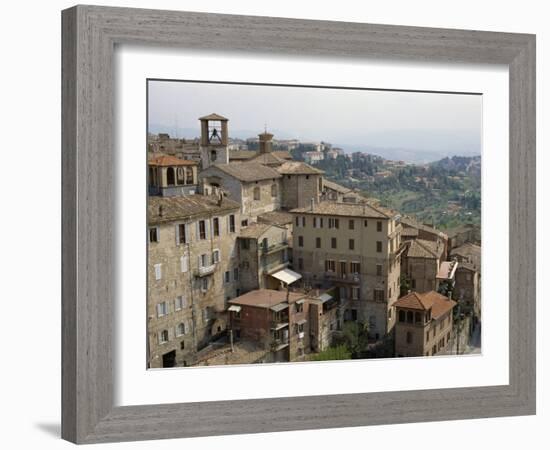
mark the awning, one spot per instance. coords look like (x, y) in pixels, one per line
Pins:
(287, 276)
(325, 298)
(235, 308)
(299, 302)
(279, 307)
(301, 322)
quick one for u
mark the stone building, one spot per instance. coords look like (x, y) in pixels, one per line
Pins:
(169, 176)
(413, 229)
(424, 324)
(301, 184)
(467, 290)
(357, 249)
(420, 264)
(263, 252)
(468, 253)
(277, 320)
(324, 320)
(191, 250)
(256, 187)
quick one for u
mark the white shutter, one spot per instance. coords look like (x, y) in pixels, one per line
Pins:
(184, 263)
(220, 225)
(207, 228)
(159, 336)
(158, 272)
(198, 230)
(177, 234)
(187, 233)
(159, 310)
(200, 260)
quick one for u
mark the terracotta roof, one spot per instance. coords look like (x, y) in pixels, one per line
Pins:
(268, 159)
(254, 230)
(439, 304)
(247, 171)
(265, 298)
(168, 160)
(420, 248)
(213, 116)
(336, 187)
(168, 209)
(412, 223)
(241, 154)
(298, 168)
(409, 232)
(283, 154)
(467, 249)
(343, 209)
(276, 217)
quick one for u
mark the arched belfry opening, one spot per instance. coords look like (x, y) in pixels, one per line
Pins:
(214, 140)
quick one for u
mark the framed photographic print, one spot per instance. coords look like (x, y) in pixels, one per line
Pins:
(263, 229)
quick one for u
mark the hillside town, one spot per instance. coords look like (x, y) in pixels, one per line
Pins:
(256, 256)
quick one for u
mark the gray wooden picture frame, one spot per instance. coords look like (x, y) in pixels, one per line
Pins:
(90, 34)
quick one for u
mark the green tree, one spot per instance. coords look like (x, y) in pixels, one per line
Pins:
(333, 353)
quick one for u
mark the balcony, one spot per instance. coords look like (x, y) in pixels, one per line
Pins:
(268, 269)
(352, 278)
(279, 324)
(279, 344)
(273, 248)
(205, 270)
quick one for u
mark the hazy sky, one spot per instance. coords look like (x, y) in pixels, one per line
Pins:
(345, 117)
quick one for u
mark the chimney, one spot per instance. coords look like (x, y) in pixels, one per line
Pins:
(265, 142)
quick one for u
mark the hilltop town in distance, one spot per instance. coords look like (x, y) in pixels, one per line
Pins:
(266, 250)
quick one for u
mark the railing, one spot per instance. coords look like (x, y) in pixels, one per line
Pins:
(278, 324)
(205, 270)
(274, 247)
(278, 344)
(348, 277)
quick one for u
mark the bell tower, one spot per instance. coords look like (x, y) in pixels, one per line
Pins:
(214, 140)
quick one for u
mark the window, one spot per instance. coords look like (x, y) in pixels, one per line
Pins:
(236, 274)
(227, 277)
(318, 242)
(180, 303)
(401, 316)
(181, 233)
(427, 336)
(417, 317)
(379, 295)
(216, 226)
(351, 224)
(204, 284)
(297, 221)
(244, 223)
(330, 265)
(203, 260)
(216, 256)
(180, 329)
(434, 350)
(300, 241)
(333, 223)
(366, 222)
(333, 242)
(315, 221)
(153, 234)
(352, 244)
(379, 246)
(410, 317)
(379, 270)
(162, 309)
(304, 221)
(379, 225)
(232, 223)
(355, 293)
(202, 229)
(299, 307)
(170, 176)
(300, 264)
(274, 190)
(158, 271)
(409, 337)
(413, 283)
(163, 337)
(343, 267)
(355, 267)
(257, 193)
(245, 244)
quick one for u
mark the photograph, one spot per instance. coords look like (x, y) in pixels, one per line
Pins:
(306, 223)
